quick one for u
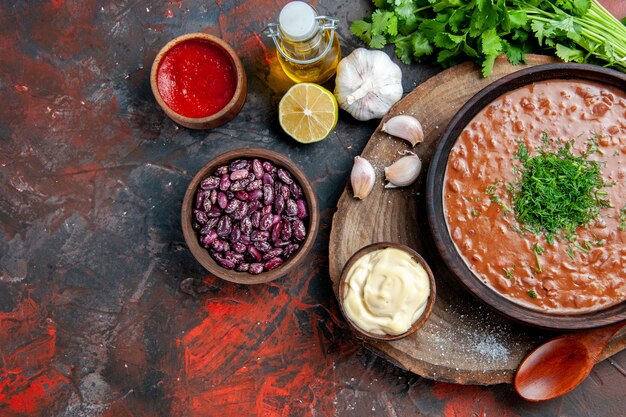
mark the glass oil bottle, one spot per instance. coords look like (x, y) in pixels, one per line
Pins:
(307, 44)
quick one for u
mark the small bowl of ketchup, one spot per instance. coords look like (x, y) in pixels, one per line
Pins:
(199, 81)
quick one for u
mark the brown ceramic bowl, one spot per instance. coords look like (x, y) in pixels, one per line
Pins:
(202, 255)
(436, 215)
(384, 245)
(229, 111)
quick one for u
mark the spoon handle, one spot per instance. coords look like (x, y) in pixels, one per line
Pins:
(598, 338)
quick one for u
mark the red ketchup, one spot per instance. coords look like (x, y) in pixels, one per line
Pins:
(196, 78)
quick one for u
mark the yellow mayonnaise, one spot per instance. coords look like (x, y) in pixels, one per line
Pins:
(385, 292)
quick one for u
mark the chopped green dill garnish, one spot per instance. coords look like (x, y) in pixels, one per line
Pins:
(558, 191)
(522, 152)
(491, 190)
(532, 294)
(593, 147)
(544, 138)
(622, 219)
(570, 252)
(580, 248)
(537, 250)
(509, 274)
(616, 153)
(475, 213)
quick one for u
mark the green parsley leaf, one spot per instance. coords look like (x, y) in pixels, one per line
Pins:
(532, 294)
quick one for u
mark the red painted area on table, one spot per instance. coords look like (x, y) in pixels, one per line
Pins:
(57, 3)
(29, 380)
(469, 400)
(196, 78)
(249, 356)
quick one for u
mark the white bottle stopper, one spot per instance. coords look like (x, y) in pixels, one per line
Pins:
(297, 21)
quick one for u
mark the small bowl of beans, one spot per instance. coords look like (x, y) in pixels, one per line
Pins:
(250, 216)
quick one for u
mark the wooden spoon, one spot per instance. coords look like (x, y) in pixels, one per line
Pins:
(559, 365)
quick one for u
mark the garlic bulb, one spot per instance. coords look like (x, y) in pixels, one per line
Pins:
(362, 177)
(405, 127)
(404, 171)
(368, 83)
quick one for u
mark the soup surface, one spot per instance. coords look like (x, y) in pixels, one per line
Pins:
(584, 272)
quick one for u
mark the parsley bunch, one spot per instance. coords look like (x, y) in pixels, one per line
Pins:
(453, 31)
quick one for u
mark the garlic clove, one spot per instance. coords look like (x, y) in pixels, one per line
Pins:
(405, 127)
(403, 172)
(362, 177)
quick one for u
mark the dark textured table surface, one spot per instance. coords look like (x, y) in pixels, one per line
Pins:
(92, 174)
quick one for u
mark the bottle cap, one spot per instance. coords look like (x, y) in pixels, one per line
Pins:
(297, 21)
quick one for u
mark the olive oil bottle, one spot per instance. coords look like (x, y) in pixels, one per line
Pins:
(307, 44)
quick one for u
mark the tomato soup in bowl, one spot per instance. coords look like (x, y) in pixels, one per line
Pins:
(199, 81)
(526, 196)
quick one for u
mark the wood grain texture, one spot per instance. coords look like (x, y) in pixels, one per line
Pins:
(464, 341)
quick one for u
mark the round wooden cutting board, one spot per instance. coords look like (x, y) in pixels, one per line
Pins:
(463, 341)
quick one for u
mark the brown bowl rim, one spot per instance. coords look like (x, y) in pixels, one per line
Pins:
(417, 257)
(434, 198)
(203, 256)
(229, 111)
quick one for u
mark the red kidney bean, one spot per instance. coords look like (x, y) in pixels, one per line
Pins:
(235, 234)
(221, 170)
(267, 179)
(284, 190)
(291, 208)
(255, 194)
(266, 210)
(238, 185)
(224, 182)
(242, 195)
(239, 174)
(290, 249)
(238, 247)
(281, 243)
(241, 211)
(269, 167)
(245, 225)
(239, 164)
(268, 194)
(254, 206)
(206, 204)
(213, 196)
(245, 239)
(255, 268)
(279, 204)
(222, 200)
(224, 263)
(243, 267)
(257, 168)
(224, 226)
(234, 257)
(263, 246)
(254, 185)
(200, 216)
(295, 189)
(210, 183)
(286, 232)
(273, 263)
(255, 218)
(232, 206)
(284, 176)
(199, 199)
(218, 245)
(302, 212)
(259, 235)
(266, 222)
(215, 212)
(276, 230)
(272, 253)
(254, 253)
(299, 231)
(208, 238)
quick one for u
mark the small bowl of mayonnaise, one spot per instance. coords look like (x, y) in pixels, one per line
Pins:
(386, 291)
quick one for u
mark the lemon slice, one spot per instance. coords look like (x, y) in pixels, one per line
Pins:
(308, 112)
